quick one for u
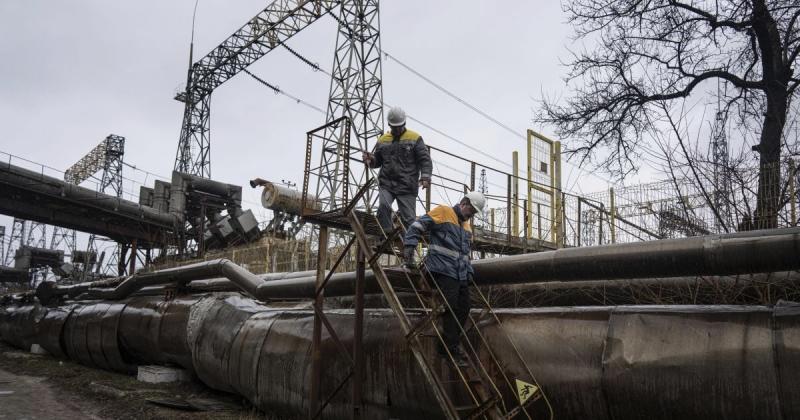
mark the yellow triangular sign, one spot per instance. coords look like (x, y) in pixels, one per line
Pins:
(525, 390)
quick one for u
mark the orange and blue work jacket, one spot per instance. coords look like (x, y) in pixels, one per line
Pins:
(451, 242)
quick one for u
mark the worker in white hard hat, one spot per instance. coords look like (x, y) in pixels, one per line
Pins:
(405, 166)
(448, 261)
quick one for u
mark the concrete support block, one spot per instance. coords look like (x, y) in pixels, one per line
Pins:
(37, 349)
(159, 374)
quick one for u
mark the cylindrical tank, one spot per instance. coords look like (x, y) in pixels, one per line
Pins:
(287, 200)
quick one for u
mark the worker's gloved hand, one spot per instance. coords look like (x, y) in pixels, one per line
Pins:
(367, 158)
(425, 183)
(408, 257)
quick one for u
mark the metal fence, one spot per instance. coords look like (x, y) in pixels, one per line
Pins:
(529, 210)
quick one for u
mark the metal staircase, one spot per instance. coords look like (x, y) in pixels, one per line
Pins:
(480, 389)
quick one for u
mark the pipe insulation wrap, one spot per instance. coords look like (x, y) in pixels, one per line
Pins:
(655, 362)
(731, 254)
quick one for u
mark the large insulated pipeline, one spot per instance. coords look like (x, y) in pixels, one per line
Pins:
(743, 289)
(212, 275)
(243, 279)
(607, 363)
(740, 253)
(730, 254)
(46, 185)
(266, 287)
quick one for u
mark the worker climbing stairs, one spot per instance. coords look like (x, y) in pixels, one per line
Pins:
(479, 385)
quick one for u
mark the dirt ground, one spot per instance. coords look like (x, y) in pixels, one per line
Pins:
(43, 387)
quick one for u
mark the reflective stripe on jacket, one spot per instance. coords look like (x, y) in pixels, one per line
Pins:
(402, 160)
(450, 244)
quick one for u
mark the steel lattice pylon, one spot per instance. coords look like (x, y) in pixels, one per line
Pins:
(112, 165)
(107, 156)
(194, 147)
(356, 92)
(264, 32)
(63, 238)
(37, 235)
(719, 159)
(24, 233)
(16, 240)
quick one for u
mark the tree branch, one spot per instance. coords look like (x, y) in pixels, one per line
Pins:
(711, 19)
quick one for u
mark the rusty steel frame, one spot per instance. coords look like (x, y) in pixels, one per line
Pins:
(340, 124)
(356, 358)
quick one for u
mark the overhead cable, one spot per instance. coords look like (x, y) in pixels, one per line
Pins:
(278, 90)
(316, 67)
(453, 95)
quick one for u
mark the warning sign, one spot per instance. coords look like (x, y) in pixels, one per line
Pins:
(525, 390)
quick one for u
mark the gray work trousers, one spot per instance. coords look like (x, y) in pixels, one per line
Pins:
(406, 205)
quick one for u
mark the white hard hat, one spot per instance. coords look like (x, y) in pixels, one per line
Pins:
(477, 200)
(396, 117)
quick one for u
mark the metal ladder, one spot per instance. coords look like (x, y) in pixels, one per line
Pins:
(476, 379)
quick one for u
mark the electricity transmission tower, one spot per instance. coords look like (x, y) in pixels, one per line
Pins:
(63, 238)
(356, 88)
(106, 157)
(37, 235)
(25, 233)
(721, 176)
(16, 240)
(356, 92)
(19, 238)
(266, 31)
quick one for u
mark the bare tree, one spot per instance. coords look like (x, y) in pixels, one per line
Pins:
(730, 205)
(654, 51)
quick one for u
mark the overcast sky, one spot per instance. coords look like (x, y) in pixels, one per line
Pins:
(73, 72)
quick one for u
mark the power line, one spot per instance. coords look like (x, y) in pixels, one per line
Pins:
(479, 111)
(278, 91)
(314, 66)
(135, 168)
(386, 54)
(441, 133)
(452, 95)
